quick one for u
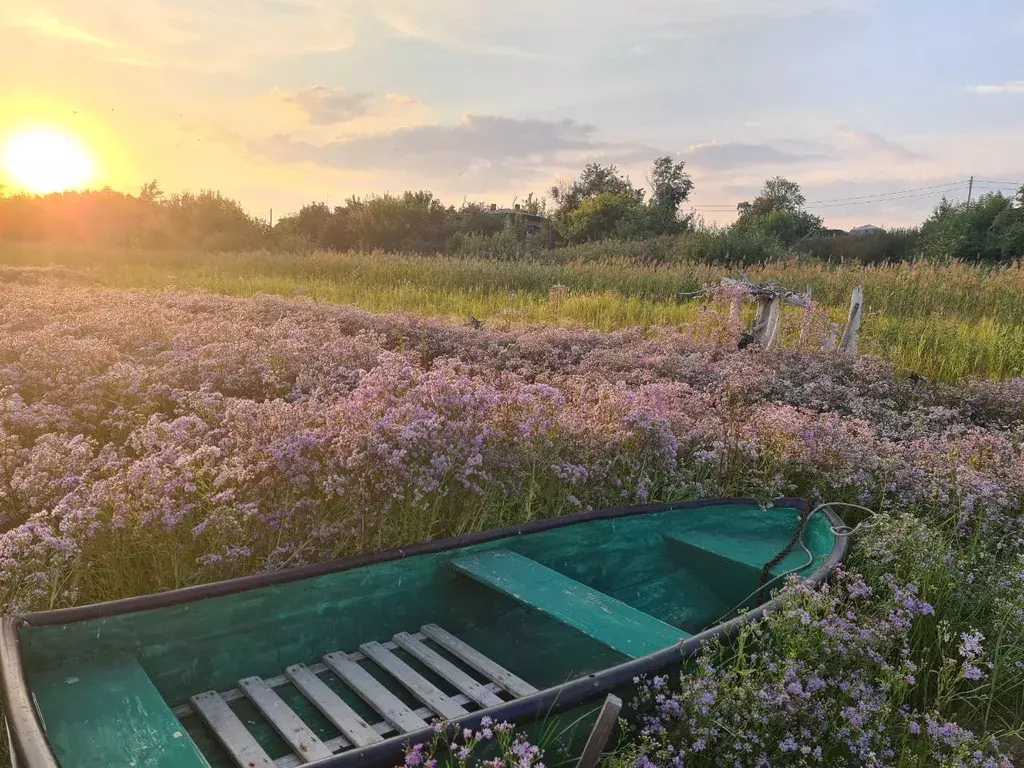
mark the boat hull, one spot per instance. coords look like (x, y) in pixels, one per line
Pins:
(575, 606)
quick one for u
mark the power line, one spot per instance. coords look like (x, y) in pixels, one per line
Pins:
(897, 192)
(878, 197)
(895, 198)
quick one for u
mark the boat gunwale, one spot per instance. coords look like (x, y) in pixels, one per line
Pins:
(30, 747)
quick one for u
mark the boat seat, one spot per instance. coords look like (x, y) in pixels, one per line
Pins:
(750, 552)
(732, 565)
(94, 702)
(361, 672)
(619, 626)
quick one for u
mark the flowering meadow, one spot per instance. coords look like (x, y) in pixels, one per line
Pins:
(946, 321)
(153, 440)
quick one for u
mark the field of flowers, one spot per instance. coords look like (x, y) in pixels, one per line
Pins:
(944, 321)
(152, 440)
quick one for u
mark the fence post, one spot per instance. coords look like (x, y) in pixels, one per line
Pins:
(848, 346)
(598, 739)
(828, 344)
(774, 328)
(764, 306)
(805, 326)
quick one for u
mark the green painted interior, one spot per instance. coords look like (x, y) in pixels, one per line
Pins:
(213, 643)
(111, 703)
(609, 621)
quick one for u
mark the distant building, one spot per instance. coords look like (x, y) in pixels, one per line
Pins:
(534, 222)
(866, 229)
(833, 232)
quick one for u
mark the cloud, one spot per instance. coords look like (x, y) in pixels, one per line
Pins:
(721, 156)
(478, 150)
(326, 105)
(443, 148)
(1014, 86)
(50, 26)
(209, 37)
(880, 145)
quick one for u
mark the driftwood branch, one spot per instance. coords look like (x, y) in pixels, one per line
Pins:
(757, 291)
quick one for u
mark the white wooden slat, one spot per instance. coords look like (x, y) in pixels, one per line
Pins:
(446, 670)
(340, 743)
(417, 684)
(359, 732)
(303, 742)
(478, 661)
(229, 730)
(184, 710)
(373, 693)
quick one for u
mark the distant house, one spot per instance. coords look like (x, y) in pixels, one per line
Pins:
(866, 229)
(534, 222)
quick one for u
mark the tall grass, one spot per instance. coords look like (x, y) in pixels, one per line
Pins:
(943, 321)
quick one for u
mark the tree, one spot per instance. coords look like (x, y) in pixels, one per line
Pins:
(312, 221)
(778, 211)
(670, 187)
(151, 192)
(596, 179)
(604, 216)
(602, 203)
(989, 229)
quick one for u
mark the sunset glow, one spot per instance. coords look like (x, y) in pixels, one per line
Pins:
(45, 160)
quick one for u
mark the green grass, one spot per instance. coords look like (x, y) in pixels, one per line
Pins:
(944, 321)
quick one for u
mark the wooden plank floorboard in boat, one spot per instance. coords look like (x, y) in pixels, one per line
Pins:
(617, 625)
(230, 731)
(417, 684)
(446, 670)
(303, 742)
(184, 710)
(476, 660)
(340, 743)
(373, 693)
(344, 718)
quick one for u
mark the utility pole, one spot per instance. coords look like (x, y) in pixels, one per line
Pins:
(970, 188)
(271, 218)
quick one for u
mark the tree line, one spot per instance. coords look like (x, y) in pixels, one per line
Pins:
(599, 205)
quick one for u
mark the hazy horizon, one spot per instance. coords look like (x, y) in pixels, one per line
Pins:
(278, 103)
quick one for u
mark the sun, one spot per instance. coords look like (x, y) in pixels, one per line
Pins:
(44, 160)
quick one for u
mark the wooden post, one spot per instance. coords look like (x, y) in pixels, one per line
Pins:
(805, 327)
(764, 307)
(735, 310)
(829, 342)
(773, 331)
(848, 346)
(598, 739)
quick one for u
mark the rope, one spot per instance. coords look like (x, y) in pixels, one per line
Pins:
(843, 531)
(798, 535)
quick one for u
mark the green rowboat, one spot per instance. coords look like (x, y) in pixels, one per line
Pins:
(343, 663)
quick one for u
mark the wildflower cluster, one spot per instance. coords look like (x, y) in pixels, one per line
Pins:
(501, 745)
(152, 441)
(825, 681)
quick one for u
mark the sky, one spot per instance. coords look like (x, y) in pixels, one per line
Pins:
(281, 102)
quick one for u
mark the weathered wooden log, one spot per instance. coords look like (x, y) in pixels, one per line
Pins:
(754, 290)
(773, 334)
(831, 338)
(848, 346)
